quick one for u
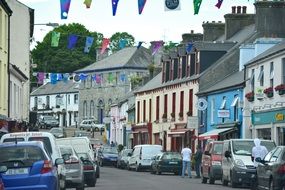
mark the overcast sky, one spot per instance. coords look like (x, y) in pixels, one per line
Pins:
(153, 24)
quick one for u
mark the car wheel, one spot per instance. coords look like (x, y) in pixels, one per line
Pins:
(204, 180)
(80, 186)
(212, 180)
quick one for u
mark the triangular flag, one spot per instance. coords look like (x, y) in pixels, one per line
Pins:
(219, 4)
(53, 78)
(156, 46)
(65, 77)
(76, 78)
(105, 44)
(123, 77)
(83, 76)
(72, 39)
(88, 44)
(41, 77)
(139, 45)
(141, 4)
(93, 77)
(59, 76)
(55, 39)
(189, 47)
(172, 5)
(122, 43)
(110, 77)
(197, 4)
(114, 6)
(98, 79)
(64, 7)
(88, 3)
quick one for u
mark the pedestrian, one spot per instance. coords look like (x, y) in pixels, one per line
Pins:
(198, 160)
(258, 151)
(112, 144)
(186, 161)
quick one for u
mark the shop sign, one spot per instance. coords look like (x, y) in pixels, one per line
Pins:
(224, 113)
(192, 122)
(279, 117)
(261, 118)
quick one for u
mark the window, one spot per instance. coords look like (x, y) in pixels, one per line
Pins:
(275, 155)
(157, 108)
(68, 99)
(85, 109)
(190, 102)
(47, 101)
(144, 110)
(165, 103)
(75, 98)
(212, 109)
(235, 107)
(149, 117)
(261, 75)
(181, 103)
(223, 104)
(173, 102)
(36, 102)
(92, 109)
(171, 70)
(252, 80)
(138, 112)
(271, 74)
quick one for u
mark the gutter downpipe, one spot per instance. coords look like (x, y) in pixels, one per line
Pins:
(8, 66)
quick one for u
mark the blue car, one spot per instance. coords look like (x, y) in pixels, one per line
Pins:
(107, 156)
(29, 166)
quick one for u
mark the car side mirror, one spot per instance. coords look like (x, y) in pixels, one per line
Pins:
(258, 159)
(3, 169)
(59, 161)
(228, 154)
(129, 154)
(207, 153)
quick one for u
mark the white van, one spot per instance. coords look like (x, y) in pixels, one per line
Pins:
(141, 157)
(237, 166)
(48, 140)
(80, 145)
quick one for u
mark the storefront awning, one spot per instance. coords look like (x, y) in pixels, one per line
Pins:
(214, 134)
(178, 132)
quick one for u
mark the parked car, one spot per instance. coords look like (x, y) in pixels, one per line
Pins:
(29, 166)
(107, 156)
(50, 144)
(88, 124)
(74, 167)
(47, 121)
(211, 167)
(142, 155)
(89, 169)
(58, 132)
(123, 158)
(3, 169)
(167, 162)
(237, 166)
(271, 170)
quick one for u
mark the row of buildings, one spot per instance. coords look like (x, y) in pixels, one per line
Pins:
(230, 85)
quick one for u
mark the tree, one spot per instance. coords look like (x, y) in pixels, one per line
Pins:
(117, 37)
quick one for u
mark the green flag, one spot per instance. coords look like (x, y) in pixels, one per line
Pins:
(110, 77)
(197, 4)
(55, 39)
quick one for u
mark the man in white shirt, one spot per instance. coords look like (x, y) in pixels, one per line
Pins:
(186, 160)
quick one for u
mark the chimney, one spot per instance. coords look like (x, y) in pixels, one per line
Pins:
(236, 21)
(191, 37)
(270, 18)
(213, 30)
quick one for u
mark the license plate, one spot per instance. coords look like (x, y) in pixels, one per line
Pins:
(17, 171)
(173, 162)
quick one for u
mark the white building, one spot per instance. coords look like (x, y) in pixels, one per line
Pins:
(60, 100)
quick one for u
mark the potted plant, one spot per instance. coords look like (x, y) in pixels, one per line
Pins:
(268, 92)
(250, 96)
(280, 88)
(172, 115)
(180, 115)
(164, 117)
(189, 113)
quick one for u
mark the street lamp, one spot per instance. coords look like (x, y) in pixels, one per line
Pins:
(49, 24)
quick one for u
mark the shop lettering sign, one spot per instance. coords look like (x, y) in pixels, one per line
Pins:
(279, 117)
(224, 113)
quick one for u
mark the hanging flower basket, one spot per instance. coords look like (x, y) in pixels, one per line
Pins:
(280, 88)
(268, 92)
(250, 96)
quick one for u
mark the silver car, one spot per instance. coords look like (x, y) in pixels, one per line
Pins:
(88, 124)
(74, 167)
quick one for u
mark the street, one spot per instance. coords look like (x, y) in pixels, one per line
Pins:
(117, 179)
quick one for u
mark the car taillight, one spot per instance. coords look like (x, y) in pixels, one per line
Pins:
(281, 169)
(47, 167)
(88, 167)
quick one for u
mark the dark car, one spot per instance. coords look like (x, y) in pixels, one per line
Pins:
(211, 167)
(48, 121)
(123, 158)
(167, 162)
(58, 132)
(271, 170)
(89, 169)
(107, 156)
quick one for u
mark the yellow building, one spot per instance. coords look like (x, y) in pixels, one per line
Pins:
(5, 13)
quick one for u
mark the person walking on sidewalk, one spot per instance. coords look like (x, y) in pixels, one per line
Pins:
(186, 161)
(198, 160)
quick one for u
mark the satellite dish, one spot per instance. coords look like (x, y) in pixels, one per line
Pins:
(202, 104)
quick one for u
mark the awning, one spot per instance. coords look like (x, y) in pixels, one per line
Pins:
(178, 132)
(214, 134)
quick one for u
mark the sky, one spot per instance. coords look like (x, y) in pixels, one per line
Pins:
(153, 24)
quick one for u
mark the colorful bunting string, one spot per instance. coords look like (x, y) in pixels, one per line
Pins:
(122, 43)
(189, 47)
(156, 46)
(88, 44)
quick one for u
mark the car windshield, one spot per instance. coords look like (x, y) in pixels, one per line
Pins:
(45, 140)
(110, 150)
(218, 148)
(152, 151)
(172, 156)
(66, 150)
(83, 155)
(245, 147)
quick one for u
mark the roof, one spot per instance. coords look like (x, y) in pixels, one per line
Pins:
(130, 57)
(271, 51)
(230, 81)
(59, 88)
(213, 46)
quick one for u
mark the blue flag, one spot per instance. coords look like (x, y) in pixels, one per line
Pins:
(114, 6)
(53, 78)
(139, 45)
(122, 43)
(88, 44)
(72, 39)
(189, 47)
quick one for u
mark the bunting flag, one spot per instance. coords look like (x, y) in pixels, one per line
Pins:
(72, 39)
(76, 78)
(189, 47)
(55, 39)
(53, 78)
(83, 76)
(219, 4)
(88, 3)
(114, 6)
(88, 44)
(141, 4)
(65, 77)
(93, 77)
(123, 77)
(122, 43)
(139, 45)
(64, 7)
(41, 77)
(105, 44)
(197, 4)
(156, 46)
(110, 77)
(59, 76)
(172, 5)
(98, 79)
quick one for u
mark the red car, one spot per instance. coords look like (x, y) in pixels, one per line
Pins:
(212, 162)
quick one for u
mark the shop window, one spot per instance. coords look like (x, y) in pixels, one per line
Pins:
(223, 104)
(252, 80)
(235, 107)
(261, 75)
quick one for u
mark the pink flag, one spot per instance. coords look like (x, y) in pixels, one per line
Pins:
(41, 77)
(156, 46)
(141, 4)
(105, 44)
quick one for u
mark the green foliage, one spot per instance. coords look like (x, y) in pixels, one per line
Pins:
(135, 80)
(115, 40)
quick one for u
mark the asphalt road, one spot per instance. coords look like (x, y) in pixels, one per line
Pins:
(117, 179)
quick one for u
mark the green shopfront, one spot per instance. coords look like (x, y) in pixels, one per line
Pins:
(270, 125)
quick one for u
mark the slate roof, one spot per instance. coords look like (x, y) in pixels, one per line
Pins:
(271, 51)
(213, 46)
(60, 87)
(127, 57)
(233, 80)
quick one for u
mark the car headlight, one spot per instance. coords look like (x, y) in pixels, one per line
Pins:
(239, 163)
(216, 163)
